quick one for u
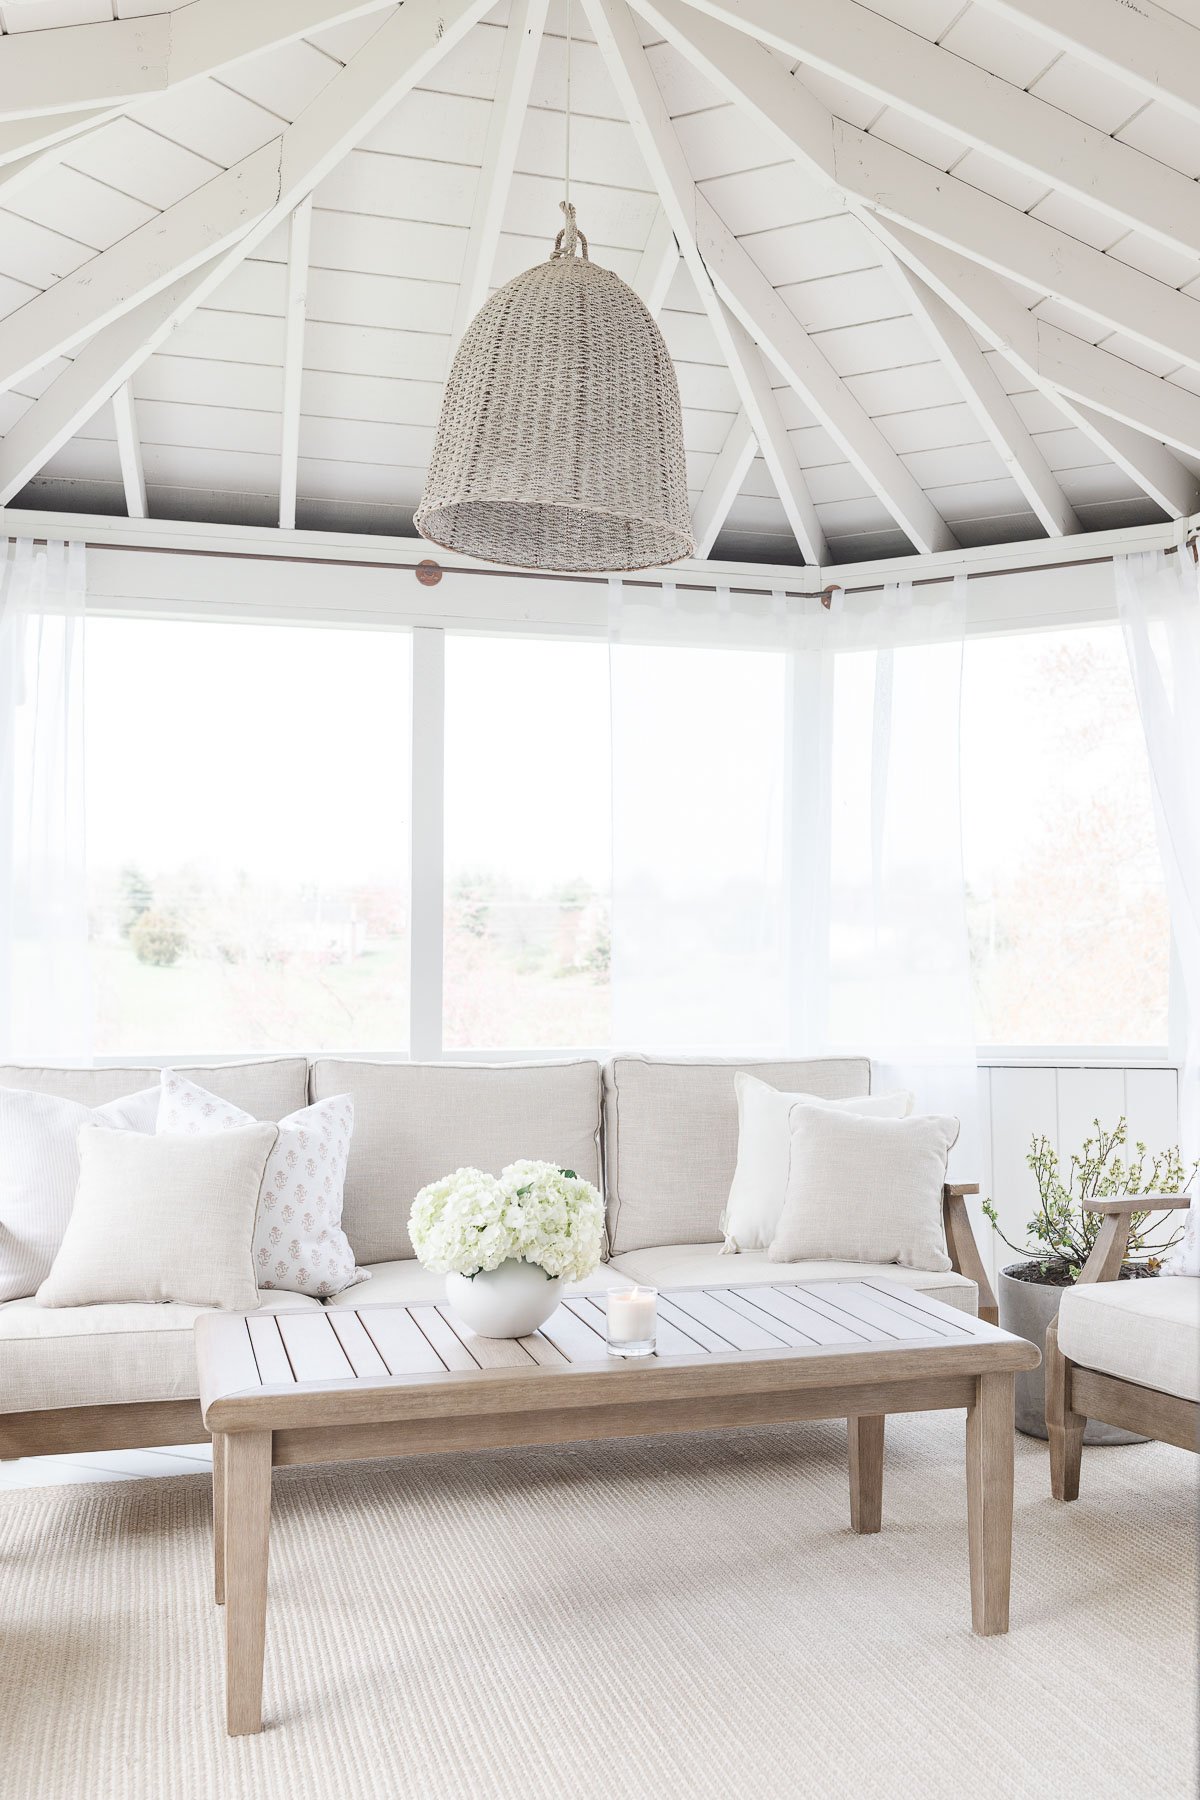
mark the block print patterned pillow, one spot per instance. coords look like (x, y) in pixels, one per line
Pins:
(299, 1243)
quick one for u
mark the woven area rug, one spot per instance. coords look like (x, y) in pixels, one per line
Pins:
(677, 1618)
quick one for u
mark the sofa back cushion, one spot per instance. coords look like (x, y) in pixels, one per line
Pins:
(268, 1090)
(416, 1121)
(670, 1138)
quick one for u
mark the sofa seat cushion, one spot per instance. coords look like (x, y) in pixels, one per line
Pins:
(704, 1265)
(1146, 1331)
(406, 1283)
(415, 1122)
(54, 1356)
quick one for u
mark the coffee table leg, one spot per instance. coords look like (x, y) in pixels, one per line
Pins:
(990, 1501)
(218, 1504)
(247, 1482)
(866, 1472)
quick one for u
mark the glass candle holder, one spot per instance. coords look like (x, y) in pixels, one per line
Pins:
(632, 1321)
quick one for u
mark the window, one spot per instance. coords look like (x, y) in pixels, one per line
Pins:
(527, 833)
(248, 817)
(1068, 916)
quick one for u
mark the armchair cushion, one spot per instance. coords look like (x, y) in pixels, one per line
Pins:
(1146, 1331)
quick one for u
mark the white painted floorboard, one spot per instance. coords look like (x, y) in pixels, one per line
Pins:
(104, 1465)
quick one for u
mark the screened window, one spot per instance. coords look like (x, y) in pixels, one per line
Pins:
(527, 844)
(1068, 917)
(248, 815)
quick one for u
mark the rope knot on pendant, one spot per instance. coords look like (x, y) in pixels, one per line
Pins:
(569, 236)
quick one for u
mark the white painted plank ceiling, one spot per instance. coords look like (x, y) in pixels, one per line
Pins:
(389, 231)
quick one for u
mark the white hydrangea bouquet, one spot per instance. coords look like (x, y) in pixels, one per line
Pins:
(507, 1244)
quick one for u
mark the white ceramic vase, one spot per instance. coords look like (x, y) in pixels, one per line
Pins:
(508, 1302)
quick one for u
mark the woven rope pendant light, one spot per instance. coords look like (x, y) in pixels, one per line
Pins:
(560, 440)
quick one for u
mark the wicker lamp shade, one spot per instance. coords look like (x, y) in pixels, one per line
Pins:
(560, 440)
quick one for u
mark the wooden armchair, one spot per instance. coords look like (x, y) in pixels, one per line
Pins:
(1076, 1392)
(963, 1247)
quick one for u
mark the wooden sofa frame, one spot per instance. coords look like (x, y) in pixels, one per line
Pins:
(1075, 1394)
(146, 1424)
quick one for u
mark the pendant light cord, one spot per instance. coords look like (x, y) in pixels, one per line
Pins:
(567, 158)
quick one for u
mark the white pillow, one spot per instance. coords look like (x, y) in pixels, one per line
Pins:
(764, 1150)
(39, 1172)
(162, 1218)
(298, 1238)
(865, 1190)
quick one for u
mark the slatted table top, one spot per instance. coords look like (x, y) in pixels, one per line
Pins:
(262, 1366)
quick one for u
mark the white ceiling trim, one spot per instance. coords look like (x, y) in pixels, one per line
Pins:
(902, 70)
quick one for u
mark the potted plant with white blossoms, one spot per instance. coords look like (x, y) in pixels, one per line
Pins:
(508, 1244)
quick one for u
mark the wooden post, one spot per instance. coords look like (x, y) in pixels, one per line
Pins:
(990, 1501)
(866, 1472)
(247, 1482)
(218, 1505)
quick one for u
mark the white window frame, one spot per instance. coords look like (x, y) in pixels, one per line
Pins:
(156, 569)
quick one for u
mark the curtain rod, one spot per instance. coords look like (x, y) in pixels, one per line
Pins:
(824, 595)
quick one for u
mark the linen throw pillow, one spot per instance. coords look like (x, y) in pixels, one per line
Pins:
(162, 1218)
(299, 1243)
(865, 1190)
(39, 1172)
(756, 1194)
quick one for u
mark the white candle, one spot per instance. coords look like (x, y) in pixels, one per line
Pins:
(632, 1315)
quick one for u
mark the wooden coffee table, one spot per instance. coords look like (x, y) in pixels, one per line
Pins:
(308, 1387)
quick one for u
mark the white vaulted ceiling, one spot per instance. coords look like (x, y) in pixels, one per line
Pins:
(929, 271)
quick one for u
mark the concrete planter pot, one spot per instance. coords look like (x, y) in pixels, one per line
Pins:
(1026, 1308)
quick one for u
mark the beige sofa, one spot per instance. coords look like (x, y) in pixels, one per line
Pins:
(660, 1135)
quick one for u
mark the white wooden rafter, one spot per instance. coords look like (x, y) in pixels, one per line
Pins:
(656, 265)
(990, 406)
(989, 310)
(1151, 49)
(109, 64)
(400, 55)
(295, 307)
(903, 70)
(866, 171)
(724, 484)
(518, 63)
(129, 451)
(621, 47)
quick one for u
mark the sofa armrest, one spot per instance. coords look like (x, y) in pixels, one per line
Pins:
(963, 1247)
(1112, 1240)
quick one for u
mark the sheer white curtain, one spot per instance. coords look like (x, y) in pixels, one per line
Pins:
(1158, 597)
(45, 993)
(787, 844)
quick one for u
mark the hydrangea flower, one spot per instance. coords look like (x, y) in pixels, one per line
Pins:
(532, 1212)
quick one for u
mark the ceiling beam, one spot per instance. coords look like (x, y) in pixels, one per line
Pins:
(657, 265)
(990, 406)
(399, 56)
(299, 234)
(724, 484)
(746, 290)
(121, 60)
(92, 379)
(990, 311)
(866, 171)
(129, 451)
(901, 69)
(518, 63)
(22, 137)
(150, 257)
(621, 47)
(1153, 50)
